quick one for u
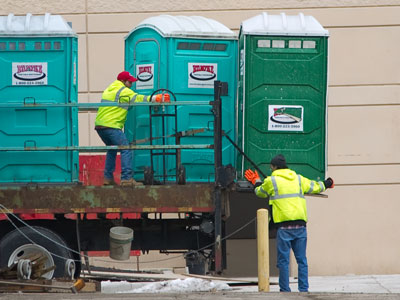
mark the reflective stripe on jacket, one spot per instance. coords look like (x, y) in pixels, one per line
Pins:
(114, 116)
(286, 190)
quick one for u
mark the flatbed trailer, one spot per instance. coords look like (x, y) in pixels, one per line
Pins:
(173, 217)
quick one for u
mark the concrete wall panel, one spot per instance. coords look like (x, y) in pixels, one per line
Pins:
(364, 95)
(82, 63)
(83, 123)
(364, 135)
(354, 231)
(328, 17)
(106, 59)
(78, 22)
(360, 56)
(118, 6)
(22, 7)
(377, 174)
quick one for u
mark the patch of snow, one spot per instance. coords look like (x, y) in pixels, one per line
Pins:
(171, 286)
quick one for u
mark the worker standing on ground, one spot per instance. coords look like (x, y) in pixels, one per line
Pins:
(109, 123)
(286, 190)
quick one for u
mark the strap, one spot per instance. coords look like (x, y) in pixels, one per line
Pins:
(260, 189)
(321, 185)
(284, 196)
(116, 99)
(105, 101)
(301, 191)
(311, 188)
(275, 185)
(117, 94)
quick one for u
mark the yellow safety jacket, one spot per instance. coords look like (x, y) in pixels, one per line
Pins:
(115, 116)
(286, 190)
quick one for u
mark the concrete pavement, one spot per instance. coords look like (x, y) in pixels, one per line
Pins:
(351, 287)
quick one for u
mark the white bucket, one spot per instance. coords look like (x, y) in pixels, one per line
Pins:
(120, 242)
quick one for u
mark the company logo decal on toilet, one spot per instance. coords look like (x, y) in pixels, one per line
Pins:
(202, 75)
(285, 117)
(145, 76)
(145, 73)
(29, 73)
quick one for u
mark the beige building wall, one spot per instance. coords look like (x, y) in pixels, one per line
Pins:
(354, 230)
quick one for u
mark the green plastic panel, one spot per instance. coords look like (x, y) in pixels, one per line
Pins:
(283, 98)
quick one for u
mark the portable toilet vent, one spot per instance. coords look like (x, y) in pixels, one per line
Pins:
(184, 54)
(38, 63)
(283, 90)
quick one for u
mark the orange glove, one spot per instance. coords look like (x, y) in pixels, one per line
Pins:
(160, 98)
(251, 176)
(166, 98)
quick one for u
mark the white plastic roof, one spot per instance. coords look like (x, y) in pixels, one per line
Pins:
(29, 25)
(282, 24)
(186, 26)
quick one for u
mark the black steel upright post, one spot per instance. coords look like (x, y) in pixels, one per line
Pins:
(218, 165)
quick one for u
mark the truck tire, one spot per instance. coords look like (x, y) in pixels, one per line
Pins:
(15, 239)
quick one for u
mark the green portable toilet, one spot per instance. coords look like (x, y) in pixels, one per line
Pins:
(283, 67)
(184, 54)
(38, 63)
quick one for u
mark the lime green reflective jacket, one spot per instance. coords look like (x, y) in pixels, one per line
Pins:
(286, 190)
(115, 116)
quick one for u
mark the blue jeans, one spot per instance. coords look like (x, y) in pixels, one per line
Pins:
(295, 239)
(115, 137)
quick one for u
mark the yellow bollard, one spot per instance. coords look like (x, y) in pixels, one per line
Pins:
(263, 250)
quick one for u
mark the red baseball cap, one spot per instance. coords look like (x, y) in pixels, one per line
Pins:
(126, 76)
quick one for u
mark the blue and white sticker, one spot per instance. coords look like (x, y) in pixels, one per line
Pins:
(285, 117)
(29, 73)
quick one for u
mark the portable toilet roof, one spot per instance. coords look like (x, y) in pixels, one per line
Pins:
(186, 26)
(29, 25)
(282, 24)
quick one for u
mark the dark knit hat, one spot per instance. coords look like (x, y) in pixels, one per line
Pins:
(279, 161)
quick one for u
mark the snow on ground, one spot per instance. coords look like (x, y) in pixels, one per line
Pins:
(171, 286)
(318, 284)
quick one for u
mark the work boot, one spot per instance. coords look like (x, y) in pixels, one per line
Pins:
(108, 181)
(130, 182)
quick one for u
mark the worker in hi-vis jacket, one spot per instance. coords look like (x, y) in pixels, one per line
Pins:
(285, 190)
(111, 119)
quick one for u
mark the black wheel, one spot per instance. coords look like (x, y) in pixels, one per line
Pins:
(14, 245)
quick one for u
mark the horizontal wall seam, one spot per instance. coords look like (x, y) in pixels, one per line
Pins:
(364, 105)
(361, 26)
(233, 10)
(364, 84)
(368, 184)
(364, 164)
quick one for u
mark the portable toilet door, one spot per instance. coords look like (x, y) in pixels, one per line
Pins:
(283, 92)
(184, 54)
(38, 63)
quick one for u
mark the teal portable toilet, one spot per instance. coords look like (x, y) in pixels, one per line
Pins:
(38, 63)
(283, 89)
(184, 54)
